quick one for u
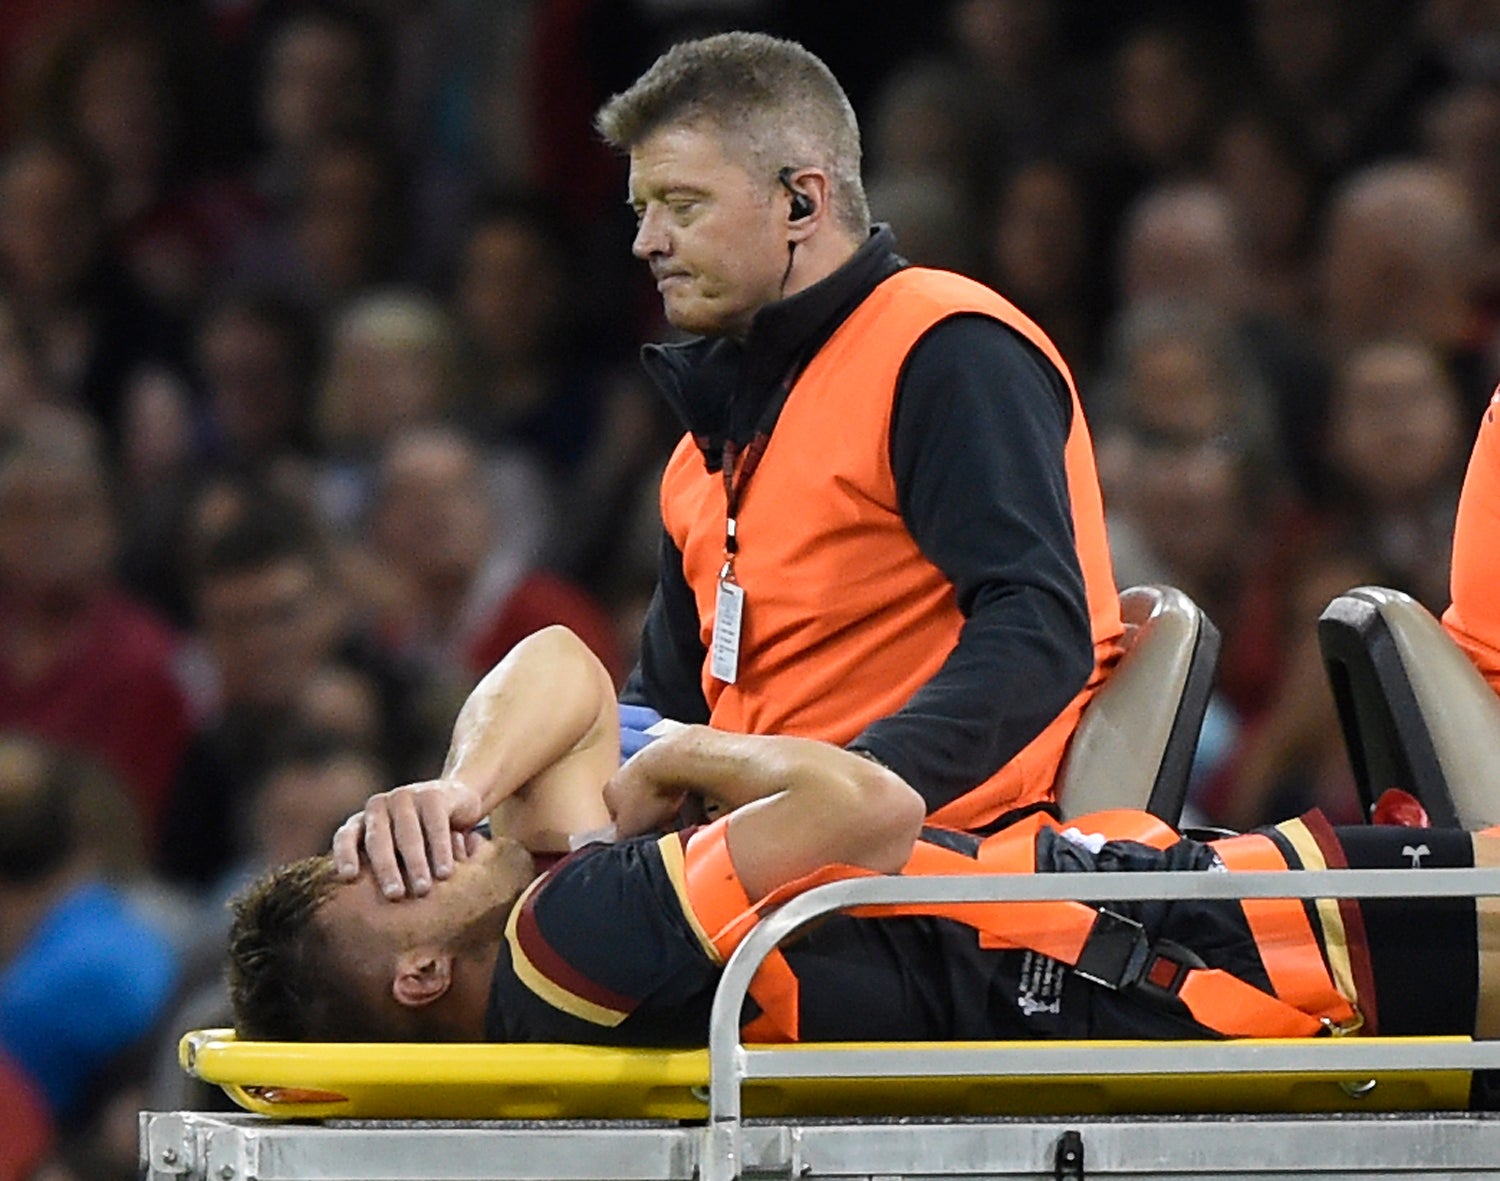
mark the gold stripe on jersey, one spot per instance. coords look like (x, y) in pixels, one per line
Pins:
(1335, 938)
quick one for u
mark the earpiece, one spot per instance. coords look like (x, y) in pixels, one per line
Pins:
(802, 204)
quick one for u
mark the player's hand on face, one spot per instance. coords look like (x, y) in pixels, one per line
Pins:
(421, 828)
(638, 802)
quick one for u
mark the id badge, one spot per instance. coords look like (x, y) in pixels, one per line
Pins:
(729, 611)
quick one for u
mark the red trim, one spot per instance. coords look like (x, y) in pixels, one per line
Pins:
(549, 963)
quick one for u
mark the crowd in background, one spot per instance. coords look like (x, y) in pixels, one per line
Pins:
(318, 390)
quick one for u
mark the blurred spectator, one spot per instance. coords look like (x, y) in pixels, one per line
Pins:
(455, 112)
(350, 221)
(1461, 131)
(1399, 259)
(30, 31)
(1182, 243)
(331, 183)
(1157, 117)
(131, 85)
(1025, 93)
(393, 362)
(1189, 468)
(390, 362)
(923, 125)
(81, 663)
(343, 230)
(934, 215)
(322, 75)
(481, 113)
(1166, 99)
(472, 594)
(1341, 72)
(253, 361)
(98, 337)
(83, 976)
(344, 702)
(1039, 243)
(1187, 453)
(255, 357)
(1275, 192)
(1395, 442)
(538, 374)
(546, 380)
(275, 620)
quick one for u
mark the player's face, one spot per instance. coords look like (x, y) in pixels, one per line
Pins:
(370, 928)
(713, 233)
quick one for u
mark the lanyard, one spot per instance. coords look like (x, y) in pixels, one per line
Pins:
(738, 468)
(738, 465)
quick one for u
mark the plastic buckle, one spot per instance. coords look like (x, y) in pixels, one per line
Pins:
(1115, 953)
(1166, 969)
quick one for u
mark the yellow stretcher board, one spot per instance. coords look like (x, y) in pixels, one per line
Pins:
(290, 1080)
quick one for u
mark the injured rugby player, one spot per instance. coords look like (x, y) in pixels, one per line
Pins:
(621, 942)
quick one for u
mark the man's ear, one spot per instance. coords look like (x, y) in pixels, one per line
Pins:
(422, 976)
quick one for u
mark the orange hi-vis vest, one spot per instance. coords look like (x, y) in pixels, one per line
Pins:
(1095, 942)
(1473, 616)
(844, 617)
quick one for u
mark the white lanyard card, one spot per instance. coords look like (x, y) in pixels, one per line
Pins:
(729, 610)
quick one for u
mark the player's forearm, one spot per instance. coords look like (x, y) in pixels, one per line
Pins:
(725, 769)
(732, 770)
(796, 804)
(549, 698)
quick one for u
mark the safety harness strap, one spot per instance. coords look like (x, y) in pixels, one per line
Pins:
(1097, 943)
(1283, 935)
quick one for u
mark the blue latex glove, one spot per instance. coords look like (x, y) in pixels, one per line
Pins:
(639, 725)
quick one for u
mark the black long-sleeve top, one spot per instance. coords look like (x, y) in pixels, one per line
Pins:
(980, 422)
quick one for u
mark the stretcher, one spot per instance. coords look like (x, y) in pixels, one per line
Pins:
(1325, 1107)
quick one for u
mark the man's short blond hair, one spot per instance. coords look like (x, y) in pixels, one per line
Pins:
(775, 105)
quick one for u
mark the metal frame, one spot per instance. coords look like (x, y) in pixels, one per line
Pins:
(178, 1146)
(192, 1147)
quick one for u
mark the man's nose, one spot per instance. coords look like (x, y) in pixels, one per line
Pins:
(651, 237)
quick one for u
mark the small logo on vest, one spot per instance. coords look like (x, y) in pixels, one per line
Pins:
(1041, 985)
(1416, 853)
